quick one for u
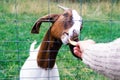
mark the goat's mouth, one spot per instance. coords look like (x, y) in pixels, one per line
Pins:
(72, 44)
(73, 40)
(66, 38)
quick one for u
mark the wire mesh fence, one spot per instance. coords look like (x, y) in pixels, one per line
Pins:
(101, 22)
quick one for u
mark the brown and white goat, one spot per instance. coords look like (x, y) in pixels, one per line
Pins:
(41, 65)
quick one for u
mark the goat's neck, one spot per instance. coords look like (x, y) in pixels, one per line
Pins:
(48, 51)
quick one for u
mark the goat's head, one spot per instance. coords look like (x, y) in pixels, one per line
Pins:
(64, 27)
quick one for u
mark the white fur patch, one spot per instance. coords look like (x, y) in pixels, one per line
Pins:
(77, 23)
(31, 71)
(76, 27)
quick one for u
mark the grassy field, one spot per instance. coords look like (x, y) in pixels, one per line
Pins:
(101, 22)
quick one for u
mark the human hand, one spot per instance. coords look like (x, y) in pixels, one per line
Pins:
(81, 45)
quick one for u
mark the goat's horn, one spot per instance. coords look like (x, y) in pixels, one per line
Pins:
(64, 8)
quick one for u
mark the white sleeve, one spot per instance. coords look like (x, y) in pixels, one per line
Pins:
(104, 58)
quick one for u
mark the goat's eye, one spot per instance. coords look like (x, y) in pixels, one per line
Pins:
(65, 14)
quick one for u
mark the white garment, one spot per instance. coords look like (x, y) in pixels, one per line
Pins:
(104, 58)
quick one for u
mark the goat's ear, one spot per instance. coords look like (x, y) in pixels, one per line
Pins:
(48, 18)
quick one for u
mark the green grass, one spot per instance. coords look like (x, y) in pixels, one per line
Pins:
(101, 23)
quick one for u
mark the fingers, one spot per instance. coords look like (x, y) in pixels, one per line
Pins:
(77, 51)
(81, 45)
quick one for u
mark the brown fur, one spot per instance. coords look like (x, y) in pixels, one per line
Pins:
(48, 51)
(52, 42)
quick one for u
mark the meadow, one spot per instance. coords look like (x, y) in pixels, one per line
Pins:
(101, 22)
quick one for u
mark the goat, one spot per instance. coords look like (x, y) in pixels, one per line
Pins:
(41, 65)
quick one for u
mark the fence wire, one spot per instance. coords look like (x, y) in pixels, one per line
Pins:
(101, 22)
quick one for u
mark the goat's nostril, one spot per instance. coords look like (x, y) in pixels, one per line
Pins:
(75, 33)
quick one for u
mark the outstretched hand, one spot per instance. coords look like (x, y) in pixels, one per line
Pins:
(81, 45)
